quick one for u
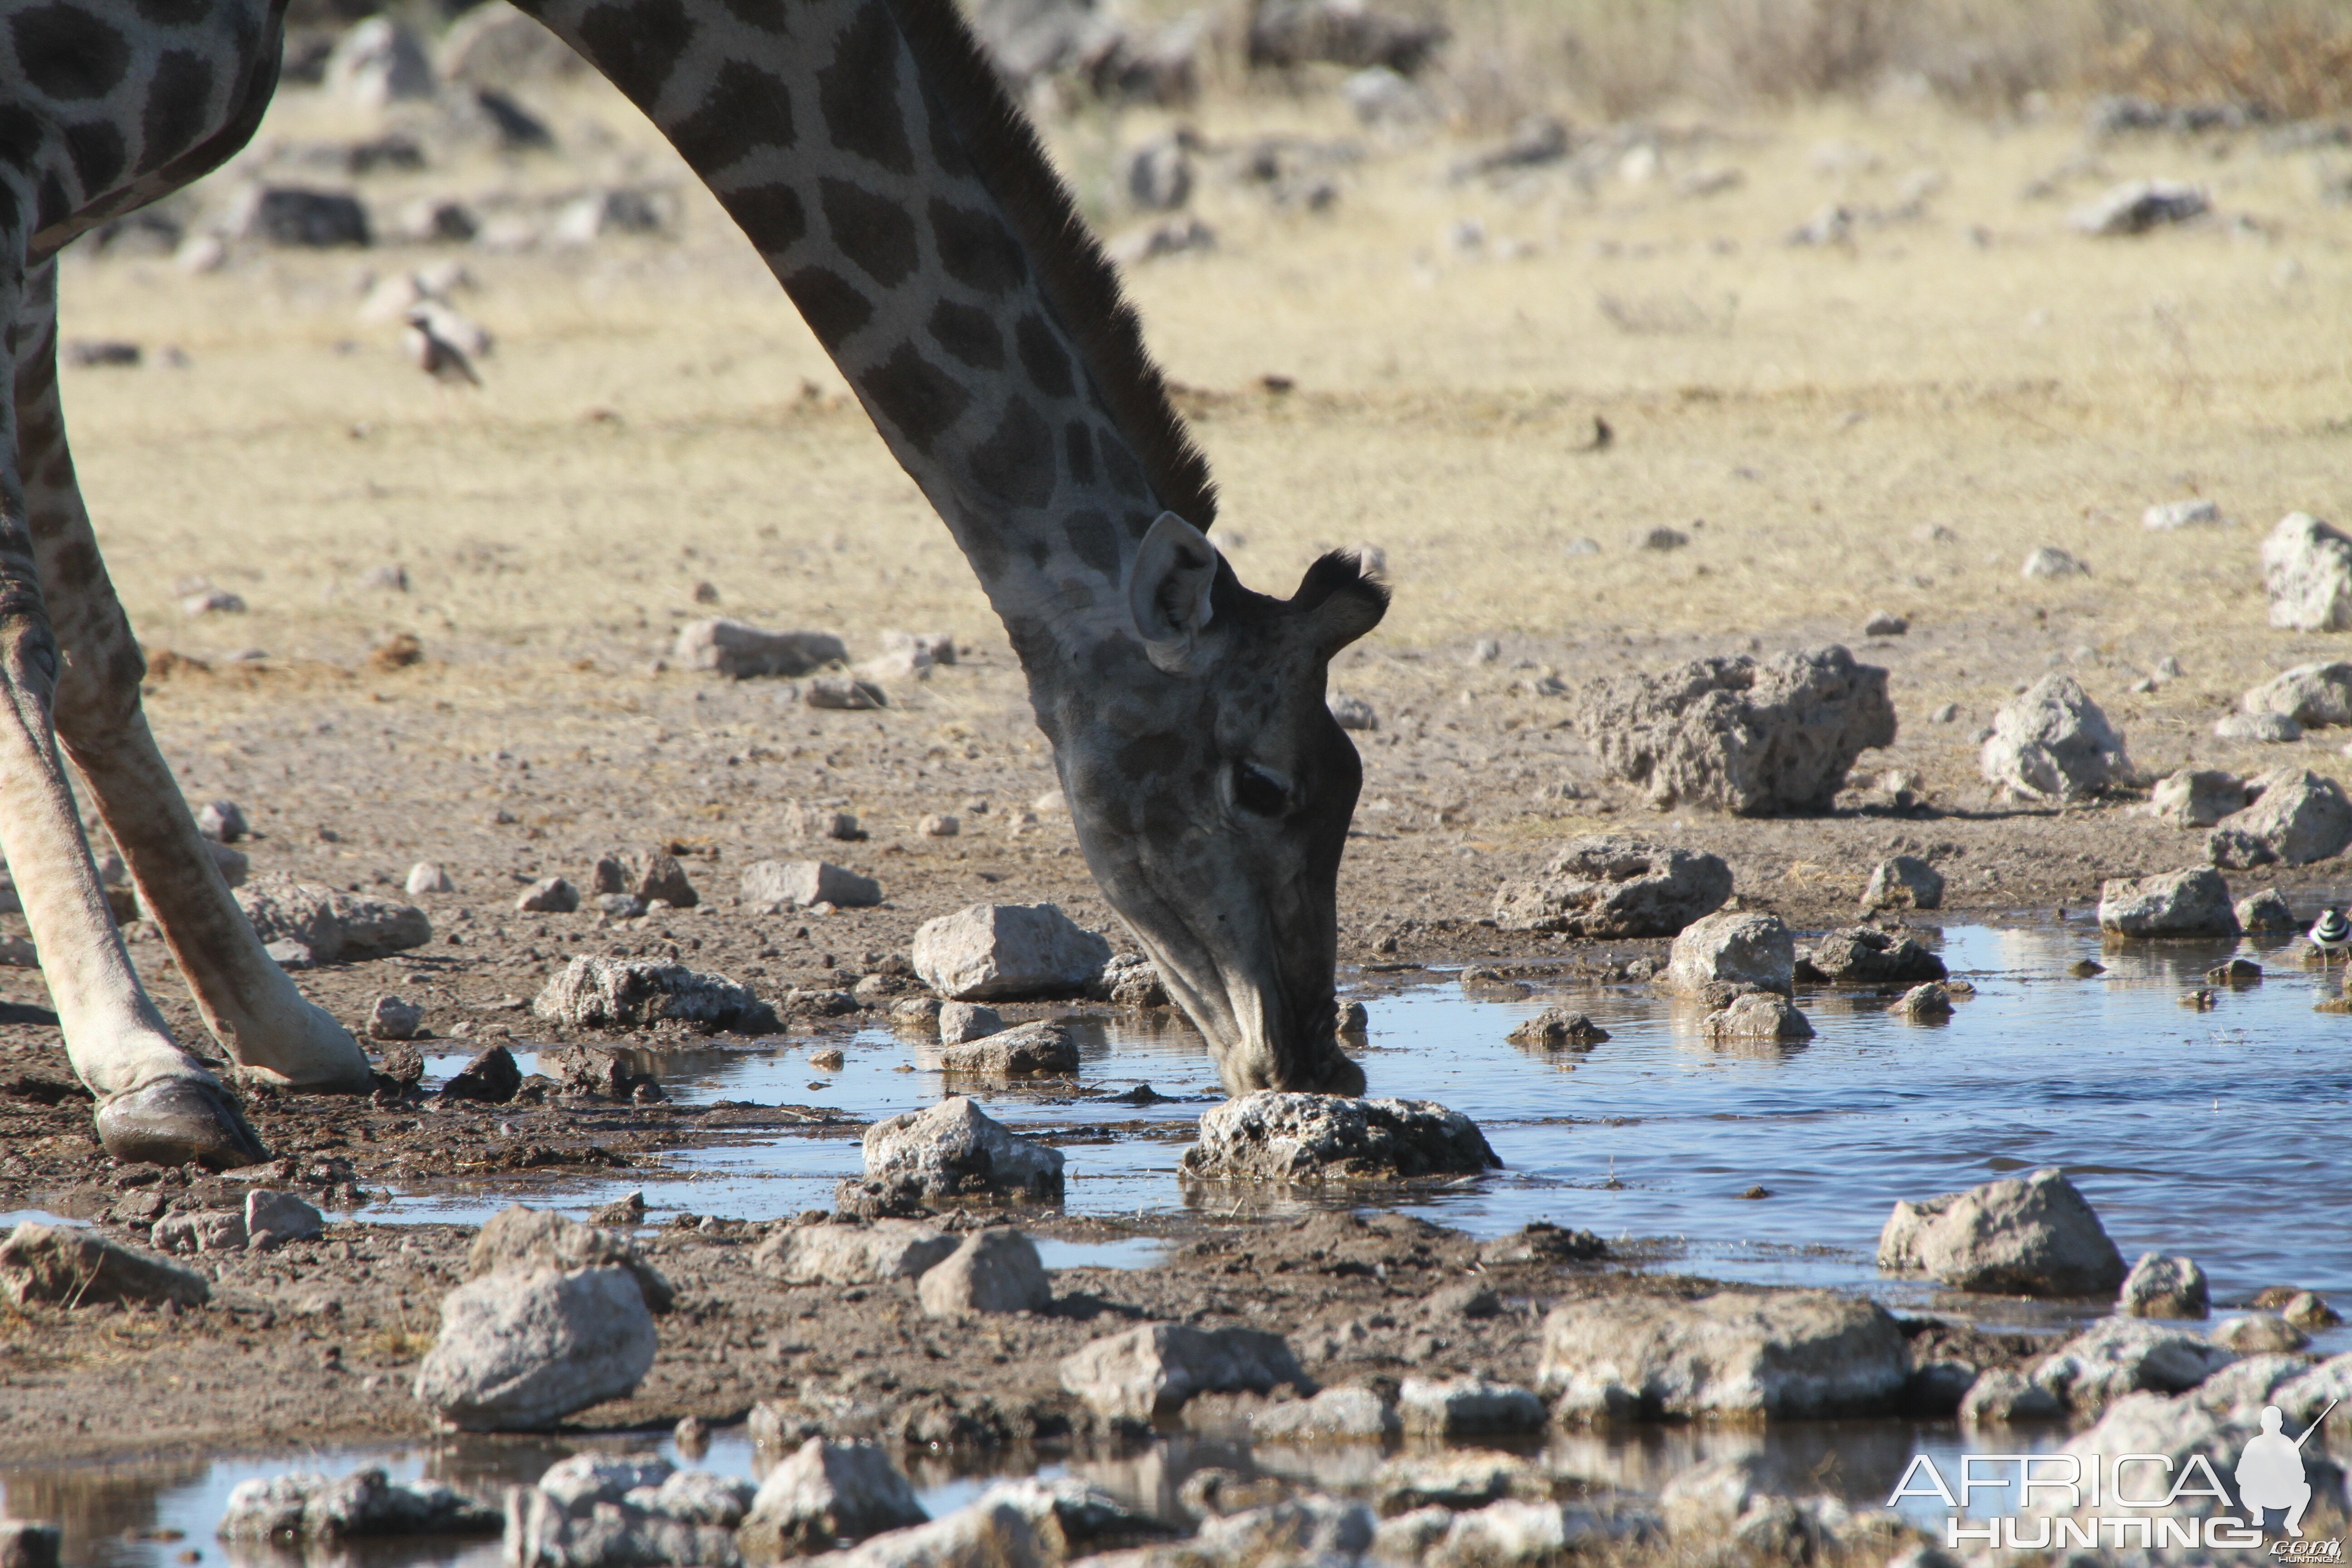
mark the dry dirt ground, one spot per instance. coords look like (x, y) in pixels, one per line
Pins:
(655, 418)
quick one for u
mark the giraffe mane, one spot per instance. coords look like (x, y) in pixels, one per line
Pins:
(1078, 281)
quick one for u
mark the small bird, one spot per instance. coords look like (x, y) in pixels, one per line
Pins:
(436, 355)
(2331, 933)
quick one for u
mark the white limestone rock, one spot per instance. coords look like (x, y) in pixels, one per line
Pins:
(273, 1218)
(1734, 1354)
(1155, 1368)
(1026, 1050)
(2033, 1237)
(2312, 695)
(1904, 882)
(2259, 1334)
(991, 952)
(328, 922)
(2137, 206)
(1735, 948)
(2162, 1287)
(620, 994)
(2197, 797)
(377, 62)
(2049, 561)
(394, 1019)
(2307, 575)
(994, 1271)
(772, 887)
(1750, 736)
(954, 1149)
(1270, 1136)
(2179, 903)
(519, 1240)
(311, 1508)
(2116, 1356)
(2296, 818)
(2054, 743)
(1759, 1015)
(1465, 1407)
(1610, 886)
(841, 1254)
(960, 1023)
(824, 1493)
(519, 1352)
(1350, 1414)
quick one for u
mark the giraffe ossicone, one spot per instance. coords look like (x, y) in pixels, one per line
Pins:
(874, 159)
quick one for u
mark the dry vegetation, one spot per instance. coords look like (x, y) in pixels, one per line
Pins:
(1612, 59)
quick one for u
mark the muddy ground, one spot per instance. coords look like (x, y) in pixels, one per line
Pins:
(1890, 421)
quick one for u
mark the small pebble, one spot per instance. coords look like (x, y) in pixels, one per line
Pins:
(829, 1059)
(223, 821)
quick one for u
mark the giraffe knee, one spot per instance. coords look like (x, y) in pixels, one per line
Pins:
(98, 691)
(29, 644)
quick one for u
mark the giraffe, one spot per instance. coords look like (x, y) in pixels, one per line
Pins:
(872, 157)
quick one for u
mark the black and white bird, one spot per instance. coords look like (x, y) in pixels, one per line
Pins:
(434, 354)
(2331, 933)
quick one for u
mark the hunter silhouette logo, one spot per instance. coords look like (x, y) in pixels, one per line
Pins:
(2270, 1472)
(2065, 1499)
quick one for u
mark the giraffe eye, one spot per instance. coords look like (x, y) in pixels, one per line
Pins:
(1259, 793)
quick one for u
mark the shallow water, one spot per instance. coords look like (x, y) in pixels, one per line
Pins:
(2217, 1133)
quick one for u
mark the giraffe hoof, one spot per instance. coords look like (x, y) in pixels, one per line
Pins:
(177, 1122)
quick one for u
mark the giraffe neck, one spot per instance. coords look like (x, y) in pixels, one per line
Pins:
(868, 154)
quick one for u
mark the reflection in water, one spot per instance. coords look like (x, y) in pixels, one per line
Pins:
(148, 1514)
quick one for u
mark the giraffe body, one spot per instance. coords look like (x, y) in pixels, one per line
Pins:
(872, 158)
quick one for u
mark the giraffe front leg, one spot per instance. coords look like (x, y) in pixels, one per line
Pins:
(267, 1026)
(156, 1102)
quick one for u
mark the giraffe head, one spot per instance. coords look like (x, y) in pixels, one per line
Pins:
(1212, 792)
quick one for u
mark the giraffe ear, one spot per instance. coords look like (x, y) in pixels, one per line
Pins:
(1168, 589)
